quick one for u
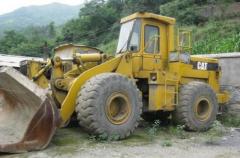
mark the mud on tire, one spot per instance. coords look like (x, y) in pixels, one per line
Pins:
(197, 107)
(109, 104)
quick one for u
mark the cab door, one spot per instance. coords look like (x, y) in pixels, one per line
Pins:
(154, 45)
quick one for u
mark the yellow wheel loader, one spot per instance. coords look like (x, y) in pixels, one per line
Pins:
(152, 75)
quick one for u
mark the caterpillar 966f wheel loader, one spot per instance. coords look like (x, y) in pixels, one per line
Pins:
(149, 76)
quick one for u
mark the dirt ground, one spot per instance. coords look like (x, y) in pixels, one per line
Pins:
(147, 141)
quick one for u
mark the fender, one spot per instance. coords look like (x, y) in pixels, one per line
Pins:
(69, 103)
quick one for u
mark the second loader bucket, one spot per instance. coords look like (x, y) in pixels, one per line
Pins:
(28, 116)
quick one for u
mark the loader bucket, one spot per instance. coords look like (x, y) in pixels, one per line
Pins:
(28, 116)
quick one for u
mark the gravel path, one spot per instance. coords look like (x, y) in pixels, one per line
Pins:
(74, 143)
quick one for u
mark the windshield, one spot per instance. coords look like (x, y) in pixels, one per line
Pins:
(129, 38)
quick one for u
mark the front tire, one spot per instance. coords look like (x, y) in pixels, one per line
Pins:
(109, 104)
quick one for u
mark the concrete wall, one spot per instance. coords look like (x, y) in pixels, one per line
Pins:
(230, 71)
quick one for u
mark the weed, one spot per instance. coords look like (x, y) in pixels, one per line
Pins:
(230, 120)
(152, 131)
(104, 137)
(178, 131)
(215, 133)
(166, 143)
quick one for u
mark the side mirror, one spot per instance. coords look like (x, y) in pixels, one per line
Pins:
(133, 48)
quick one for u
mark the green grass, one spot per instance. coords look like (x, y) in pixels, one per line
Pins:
(229, 120)
(216, 37)
(214, 134)
(167, 143)
(168, 132)
(153, 129)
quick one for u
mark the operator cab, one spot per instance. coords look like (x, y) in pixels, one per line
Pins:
(148, 35)
(147, 25)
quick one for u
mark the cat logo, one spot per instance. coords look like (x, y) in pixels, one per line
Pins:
(202, 65)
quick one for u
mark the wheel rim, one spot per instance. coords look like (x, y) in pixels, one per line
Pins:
(118, 108)
(203, 109)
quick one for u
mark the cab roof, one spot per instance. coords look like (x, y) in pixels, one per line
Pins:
(147, 15)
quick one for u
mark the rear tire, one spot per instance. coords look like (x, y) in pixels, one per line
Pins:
(197, 107)
(109, 104)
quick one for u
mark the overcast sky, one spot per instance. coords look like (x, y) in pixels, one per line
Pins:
(10, 5)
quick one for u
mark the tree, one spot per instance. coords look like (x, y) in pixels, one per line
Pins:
(11, 40)
(95, 21)
(185, 11)
(51, 30)
(131, 6)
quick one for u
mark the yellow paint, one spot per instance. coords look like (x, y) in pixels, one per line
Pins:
(118, 112)
(36, 72)
(90, 57)
(125, 65)
(145, 15)
(157, 97)
(203, 109)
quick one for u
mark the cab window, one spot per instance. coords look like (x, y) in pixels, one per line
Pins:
(151, 39)
(134, 43)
